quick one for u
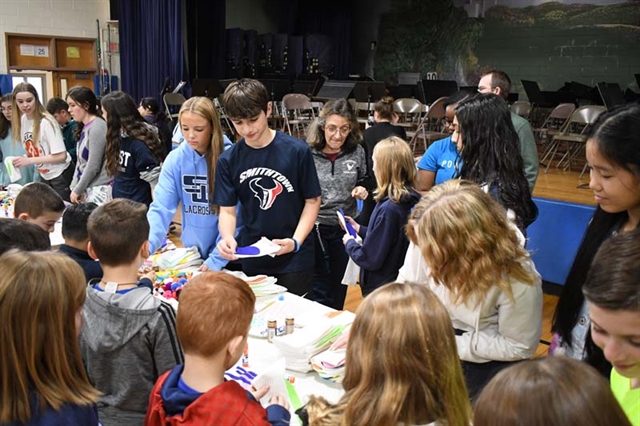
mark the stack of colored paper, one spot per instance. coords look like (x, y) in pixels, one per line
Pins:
(330, 364)
(262, 285)
(180, 258)
(298, 348)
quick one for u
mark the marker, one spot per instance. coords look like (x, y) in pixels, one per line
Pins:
(245, 356)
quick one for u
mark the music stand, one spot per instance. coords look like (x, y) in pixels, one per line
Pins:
(535, 95)
(469, 89)
(206, 87)
(369, 91)
(307, 87)
(335, 89)
(611, 95)
(436, 89)
(179, 86)
(277, 88)
(225, 83)
(405, 91)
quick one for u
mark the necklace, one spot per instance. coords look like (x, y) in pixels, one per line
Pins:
(112, 287)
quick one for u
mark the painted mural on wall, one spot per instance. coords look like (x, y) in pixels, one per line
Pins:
(551, 43)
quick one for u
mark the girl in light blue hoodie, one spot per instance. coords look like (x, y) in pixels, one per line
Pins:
(188, 177)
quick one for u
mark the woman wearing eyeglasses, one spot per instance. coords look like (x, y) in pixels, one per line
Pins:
(340, 161)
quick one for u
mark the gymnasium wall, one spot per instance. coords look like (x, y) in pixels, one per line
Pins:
(72, 18)
(550, 42)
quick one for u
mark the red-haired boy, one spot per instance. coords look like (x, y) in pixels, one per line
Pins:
(213, 324)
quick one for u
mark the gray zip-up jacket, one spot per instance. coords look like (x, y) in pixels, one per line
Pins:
(337, 180)
(127, 341)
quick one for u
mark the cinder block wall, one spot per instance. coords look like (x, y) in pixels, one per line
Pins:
(72, 18)
(551, 56)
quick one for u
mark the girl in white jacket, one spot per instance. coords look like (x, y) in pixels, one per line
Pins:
(465, 249)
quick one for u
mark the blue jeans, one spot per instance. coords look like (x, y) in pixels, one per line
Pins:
(331, 262)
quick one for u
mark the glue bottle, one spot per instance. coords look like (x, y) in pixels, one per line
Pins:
(289, 322)
(271, 330)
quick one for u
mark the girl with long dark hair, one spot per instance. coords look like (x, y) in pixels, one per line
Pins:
(90, 181)
(133, 151)
(488, 146)
(149, 109)
(613, 152)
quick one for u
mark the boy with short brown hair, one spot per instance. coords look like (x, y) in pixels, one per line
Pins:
(128, 336)
(213, 324)
(40, 204)
(273, 177)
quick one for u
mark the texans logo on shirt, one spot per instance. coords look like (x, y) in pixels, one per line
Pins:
(266, 195)
(196, 186)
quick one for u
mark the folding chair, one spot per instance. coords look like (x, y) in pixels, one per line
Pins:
(575, 134)
(521, 108)
(409, 112)
(224, 120)
(430, 128)
(363, 111)
(298, 112)
(553, 125)
(172, 104)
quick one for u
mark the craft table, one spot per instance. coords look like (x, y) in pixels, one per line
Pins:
(263, 356)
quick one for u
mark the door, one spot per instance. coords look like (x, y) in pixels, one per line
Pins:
(65, 80)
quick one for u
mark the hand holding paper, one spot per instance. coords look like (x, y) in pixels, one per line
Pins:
(347, 223)
(14, 172)
(264, 247)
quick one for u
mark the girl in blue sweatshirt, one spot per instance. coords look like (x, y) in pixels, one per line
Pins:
(43, 379)
(133, 151)
(384, 242)
(188, 178)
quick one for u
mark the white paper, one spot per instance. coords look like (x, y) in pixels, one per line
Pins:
(274, 378)
(27, 50)
(352, 271)
(14, 172)
(266, 247)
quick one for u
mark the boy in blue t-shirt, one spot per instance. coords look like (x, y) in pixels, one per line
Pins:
(273, 177)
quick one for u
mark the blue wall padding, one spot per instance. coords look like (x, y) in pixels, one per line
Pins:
(555, 236)
(6, 84)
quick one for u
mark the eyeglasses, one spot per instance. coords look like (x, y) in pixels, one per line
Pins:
(449, 126)
(344, 130)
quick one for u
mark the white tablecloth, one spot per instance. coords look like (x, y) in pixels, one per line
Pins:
(264, 355)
